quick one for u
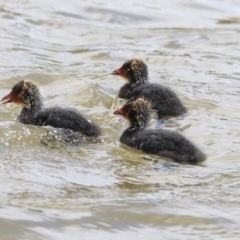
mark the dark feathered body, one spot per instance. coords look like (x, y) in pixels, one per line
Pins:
(163, 99)
(164, 143)
(125, 91)
(66, 118)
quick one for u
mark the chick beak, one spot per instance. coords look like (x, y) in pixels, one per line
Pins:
(117, 72)
(120, 111)
(8, 98)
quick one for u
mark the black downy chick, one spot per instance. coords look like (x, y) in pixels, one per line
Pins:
(160, 142)
(163, 99)
(27, 93)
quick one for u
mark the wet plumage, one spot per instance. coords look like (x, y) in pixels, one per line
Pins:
(163, 99)
(155, 141)
(27, 93)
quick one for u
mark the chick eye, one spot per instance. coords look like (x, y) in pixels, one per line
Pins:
(128, 69)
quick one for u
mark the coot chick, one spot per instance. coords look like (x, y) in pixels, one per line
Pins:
(163, 99)
(27, 93)
(155, 141)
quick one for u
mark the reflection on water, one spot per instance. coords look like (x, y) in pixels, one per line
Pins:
(53, 190)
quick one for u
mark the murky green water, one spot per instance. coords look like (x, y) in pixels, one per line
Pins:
(108, 190)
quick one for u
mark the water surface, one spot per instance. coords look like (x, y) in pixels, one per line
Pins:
(108, 190)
